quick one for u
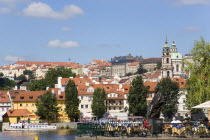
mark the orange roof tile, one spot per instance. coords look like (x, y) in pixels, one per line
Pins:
(151, 85)
(181, 82)
(28, 96)
(4, 97)
(17, 113)
(134, 64)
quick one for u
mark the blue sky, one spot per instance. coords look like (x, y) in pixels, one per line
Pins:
(82, 30)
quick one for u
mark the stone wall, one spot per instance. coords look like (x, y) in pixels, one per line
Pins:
(72, 125)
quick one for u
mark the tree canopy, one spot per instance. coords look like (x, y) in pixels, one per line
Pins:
(198, 85)
(51, 78)
(6, 84)
(29, 73)
(141, 70)
(170, 94)
(137, 97)
(98, 104)
(47, 107)
(72, 101)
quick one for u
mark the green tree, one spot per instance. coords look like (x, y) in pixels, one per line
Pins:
(29, 73)
(137, 97)
(98, 105)
(51, 78)
(72, 101)
(1, 74)
(47, 107)
(38, 85)
(198, 85)
(6, 84)
(141, 70)
(159, 65)
(52, 75)
(22, 77)
(170, 94)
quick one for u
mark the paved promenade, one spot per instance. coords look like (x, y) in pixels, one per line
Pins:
(138, 138)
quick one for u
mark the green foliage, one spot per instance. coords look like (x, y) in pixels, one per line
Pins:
(198, 85)
(6, 84)
(137, 97)
(128, 74)
(51, 78)
(141, 70)
(22, 77)
(38, 85)
(52, 75)
(47, 107)
(29, 73)
(98, 105)
(67, 127)
(1, 74)
(72, 101)
(159, 65)
(62, 127)
(170, 93)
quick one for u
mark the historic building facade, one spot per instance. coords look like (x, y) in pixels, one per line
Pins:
(171, 61)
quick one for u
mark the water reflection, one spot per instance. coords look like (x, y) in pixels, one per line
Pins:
(43, 135)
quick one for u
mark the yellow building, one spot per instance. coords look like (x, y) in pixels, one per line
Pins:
(27, 100)
(19, 115)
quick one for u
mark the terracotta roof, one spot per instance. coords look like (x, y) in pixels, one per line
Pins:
(4, 97)
(28, 96)
(19, 67)
(107, 64)
(126, 88)
(151, 85)
(17, 113)
(98, 61)
(47, 63)
(181, 82)
(134, 64)
(155, 74)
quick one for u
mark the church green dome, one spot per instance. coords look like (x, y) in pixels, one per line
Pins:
(176, 56)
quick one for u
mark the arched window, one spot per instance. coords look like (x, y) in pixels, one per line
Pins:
(167, 60)
(177, 67)
(168, 73)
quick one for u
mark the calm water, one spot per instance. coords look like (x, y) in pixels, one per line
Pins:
(43, 135)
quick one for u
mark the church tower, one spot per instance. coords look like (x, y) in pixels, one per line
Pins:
(166, 70)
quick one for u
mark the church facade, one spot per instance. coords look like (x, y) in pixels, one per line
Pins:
(171, 61)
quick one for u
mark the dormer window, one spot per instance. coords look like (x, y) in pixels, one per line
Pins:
(65, 81)
(31, 97)
(61, 97)
(38, 97)
(21, 97)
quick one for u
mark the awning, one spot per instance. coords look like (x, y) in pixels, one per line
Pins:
(205, 105)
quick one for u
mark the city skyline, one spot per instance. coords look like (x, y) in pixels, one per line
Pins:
(79, 30)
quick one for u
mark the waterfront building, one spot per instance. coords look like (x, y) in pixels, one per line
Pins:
(5, 103)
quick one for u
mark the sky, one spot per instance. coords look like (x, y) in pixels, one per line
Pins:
(82, 30)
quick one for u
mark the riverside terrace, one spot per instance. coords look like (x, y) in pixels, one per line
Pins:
(137, 130)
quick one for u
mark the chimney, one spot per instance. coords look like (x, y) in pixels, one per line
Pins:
(59, 92)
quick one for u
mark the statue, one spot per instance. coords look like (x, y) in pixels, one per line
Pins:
(154, 108)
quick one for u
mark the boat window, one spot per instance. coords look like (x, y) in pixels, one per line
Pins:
(40, 126)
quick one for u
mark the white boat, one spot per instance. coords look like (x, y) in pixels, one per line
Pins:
(30, 127)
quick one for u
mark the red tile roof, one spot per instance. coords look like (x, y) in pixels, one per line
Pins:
(17, 113)
(151, 85)
(47, 63)
(134, 64)
(181, 82)
(28, 96)
(4, 97)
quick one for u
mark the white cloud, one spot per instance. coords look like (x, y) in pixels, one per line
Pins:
(191, 2)
(39, 9)
(5, 10)
(66, 29)
(12, 58)
(59, 44)
(191, 28)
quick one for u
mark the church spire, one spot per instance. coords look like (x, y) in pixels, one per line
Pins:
(166, 42)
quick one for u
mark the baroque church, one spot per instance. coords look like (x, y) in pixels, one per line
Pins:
(171, 61)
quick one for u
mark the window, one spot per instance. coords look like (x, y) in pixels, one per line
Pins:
(168, 73)
(184, 100)
(81, 106)
(20, 104)
(177, 67)
(119, 108)
(81, 97)
(32, 104)
(26, 104)
(184, 107)
(30, 97)
(167, 60)
(61, 97)
(110, 108)
(86, 106)
(21, 97)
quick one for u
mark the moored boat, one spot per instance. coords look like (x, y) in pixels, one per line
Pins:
(30, 127)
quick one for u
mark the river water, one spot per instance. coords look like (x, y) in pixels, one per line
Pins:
(61, 134)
